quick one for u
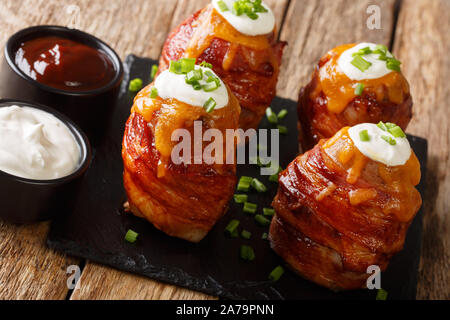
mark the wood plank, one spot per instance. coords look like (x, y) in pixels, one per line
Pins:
(28, 269)
(99, 282)
(314, 27)
(422, 44)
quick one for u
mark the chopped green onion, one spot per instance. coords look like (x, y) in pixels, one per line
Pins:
(364, 136)
(237, 9)
(389, 140)
(196, 86)
(397, 132)
(250, 208)
(246, 234)
(187, 65)
(359, 89)
(247, 253)
(271, 116)
(382, 126)
(360, 63)
(194, 76)
(262, 221)
(244, 183)
(153, 93)
(135, 85)
(265, 236)
(276, 274)
(258, 185)
(381, 49)
(235, 234)
(175, 67)
(210, 86)
(393, 64)
(390, 125)
(131, 236)
(362, 52)
(205, 64)
(240, 198)
(283, 130)
(223, 6)
(154, 72)
(282, 114)
(274, 177)
(382, 294)
(210, 105)
(232, 226)
(268, 212)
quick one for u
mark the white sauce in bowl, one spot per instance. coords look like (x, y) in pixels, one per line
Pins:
(172, 85)
(36, 145)
(378, 149)
(261, 26)
(377, 70)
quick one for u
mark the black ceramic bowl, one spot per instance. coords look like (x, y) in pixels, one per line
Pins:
(90, 110)
(24, 200)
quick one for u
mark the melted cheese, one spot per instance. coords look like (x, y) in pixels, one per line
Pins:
(397, 183)
(340, 89)
(211, 25)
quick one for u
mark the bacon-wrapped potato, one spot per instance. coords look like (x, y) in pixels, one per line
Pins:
(339, 211)
(182, 200)
(248, 64)
(341, 95)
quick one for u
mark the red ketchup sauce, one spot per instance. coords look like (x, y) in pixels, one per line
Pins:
(65, 64)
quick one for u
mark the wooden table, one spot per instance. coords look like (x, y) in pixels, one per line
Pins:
(416, 30)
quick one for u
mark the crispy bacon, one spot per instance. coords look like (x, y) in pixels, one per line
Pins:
(252, 74)
(182, 200)
(327, 233)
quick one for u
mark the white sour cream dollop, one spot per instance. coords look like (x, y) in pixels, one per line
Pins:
(36, 145)
(377, 70)
(263, 25)
(378, 149)
(172, 85)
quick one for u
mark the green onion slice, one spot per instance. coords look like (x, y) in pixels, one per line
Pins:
(265, 236)
(382, 294)
(247, 253)
(359, 89)
(276, 274)
(283, 130)
(131, 236)
(246, 234)
(271, 116)
(210, 105)
(268, 212)
(154, 72)
(135, 85)
(232, 226)
(282, 114)
(258, 185)
(364, 135)
(240, 198)
(250, 208)
(389, 140)
(360, 63)
(222, 6)
(153, 93)
(397, 132)
(262, 221)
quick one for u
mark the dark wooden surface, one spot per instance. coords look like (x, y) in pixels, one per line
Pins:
(418, 33)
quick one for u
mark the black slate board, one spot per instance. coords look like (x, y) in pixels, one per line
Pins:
(95, 227)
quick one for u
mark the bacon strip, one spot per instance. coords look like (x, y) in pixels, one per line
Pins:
(325, 237)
